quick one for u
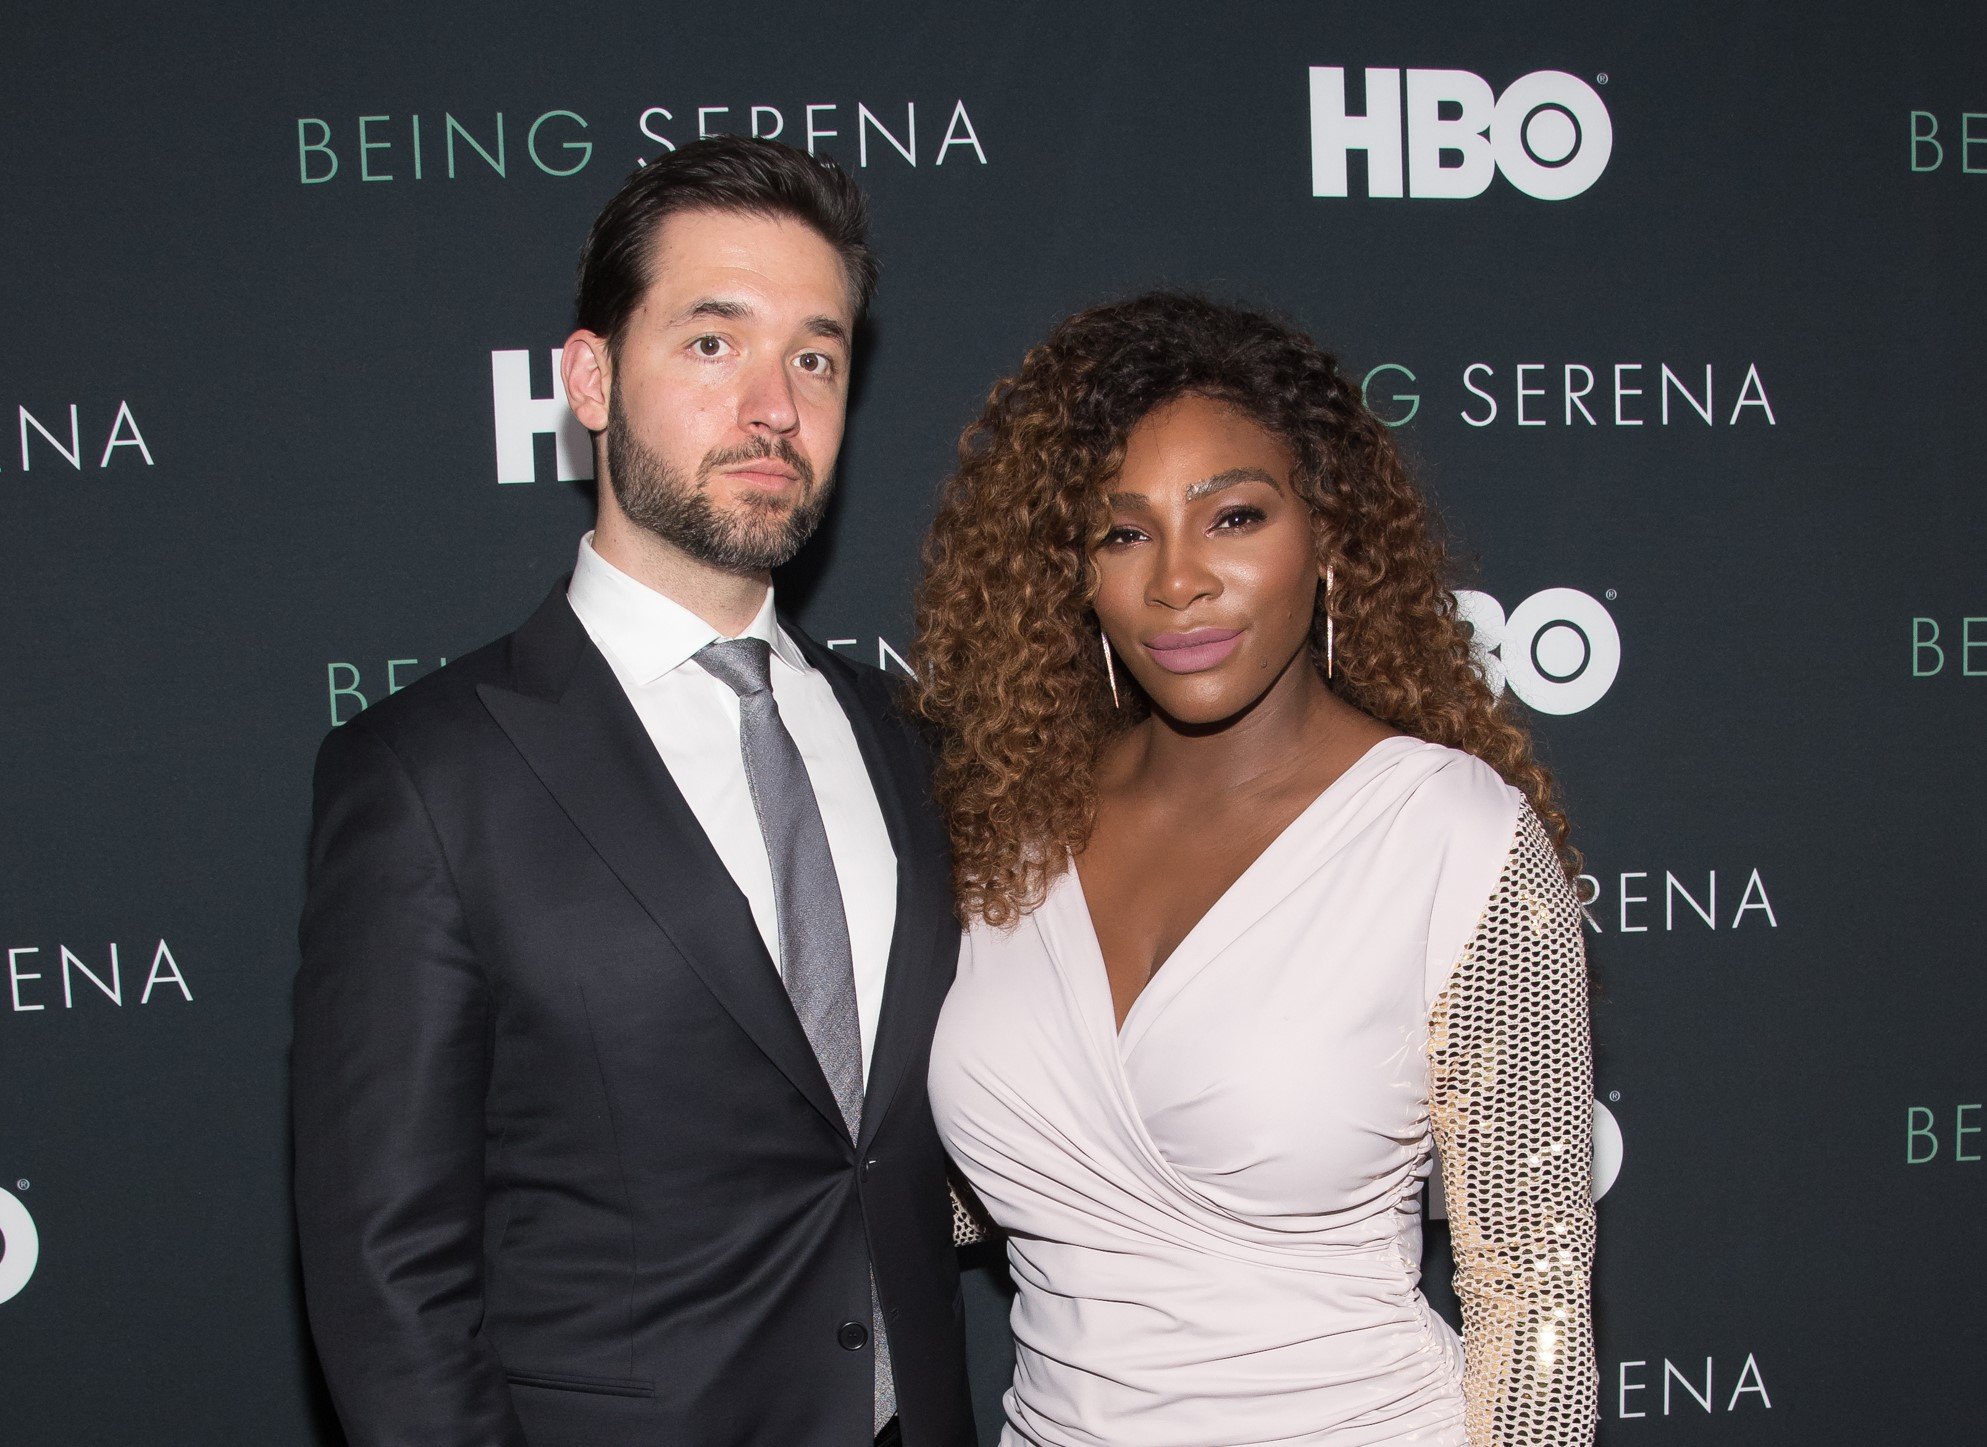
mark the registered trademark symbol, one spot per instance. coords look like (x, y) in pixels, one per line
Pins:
(22, 1184)
(1601, 79)
(1614, 1095)
(1611, 595)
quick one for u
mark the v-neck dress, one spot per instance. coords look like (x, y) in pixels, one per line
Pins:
(1213, 1214)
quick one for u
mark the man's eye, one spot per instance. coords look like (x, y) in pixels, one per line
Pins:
(709, 346)
(815, 363)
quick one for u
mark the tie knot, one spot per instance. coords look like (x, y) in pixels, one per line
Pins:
(744, 665)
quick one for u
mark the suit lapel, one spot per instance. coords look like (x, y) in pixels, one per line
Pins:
(575, 727)
(913, 982)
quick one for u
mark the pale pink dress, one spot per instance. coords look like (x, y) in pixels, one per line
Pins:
(1213, 1216)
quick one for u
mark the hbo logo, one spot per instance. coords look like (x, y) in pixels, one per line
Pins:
(1548, 134)
(1558, 650)
(20, 1246)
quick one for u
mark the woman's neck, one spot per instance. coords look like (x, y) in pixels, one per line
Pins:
(1276, 738)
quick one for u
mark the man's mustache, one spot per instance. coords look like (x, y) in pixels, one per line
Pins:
(754, 451)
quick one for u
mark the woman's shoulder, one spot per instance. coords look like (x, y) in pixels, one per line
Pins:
(1457, 790)
(1456, 823)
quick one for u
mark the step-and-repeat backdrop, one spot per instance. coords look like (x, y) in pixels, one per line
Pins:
(1678, 309)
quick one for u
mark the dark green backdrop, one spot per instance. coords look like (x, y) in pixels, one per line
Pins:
(285, 478)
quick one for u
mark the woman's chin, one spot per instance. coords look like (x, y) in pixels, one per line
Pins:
(1203, 707)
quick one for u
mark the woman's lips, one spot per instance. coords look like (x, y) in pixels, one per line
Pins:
(1192, 652)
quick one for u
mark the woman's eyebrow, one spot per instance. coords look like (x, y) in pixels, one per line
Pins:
(1206, 487)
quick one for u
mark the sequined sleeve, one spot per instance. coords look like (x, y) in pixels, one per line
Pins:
(1511, 1100)
(969, 1217)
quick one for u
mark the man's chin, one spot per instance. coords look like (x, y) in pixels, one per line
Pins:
(758, 556)
(769, 525)
(737, 531)
(764, 508)
(751, 547)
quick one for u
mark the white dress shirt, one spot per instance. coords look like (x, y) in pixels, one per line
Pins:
(692, 718)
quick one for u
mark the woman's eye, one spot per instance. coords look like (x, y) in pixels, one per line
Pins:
(1236, 517)
(1120, 535)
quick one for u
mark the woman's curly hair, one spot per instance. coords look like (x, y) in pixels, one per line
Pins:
(1010, 668)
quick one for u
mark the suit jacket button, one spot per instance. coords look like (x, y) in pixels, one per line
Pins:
(853, 1336)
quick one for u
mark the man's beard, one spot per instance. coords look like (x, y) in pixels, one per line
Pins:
(759, 533)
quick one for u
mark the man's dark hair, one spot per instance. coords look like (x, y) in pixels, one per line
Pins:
(720, 173)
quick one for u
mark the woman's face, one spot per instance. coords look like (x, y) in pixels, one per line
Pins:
(1207, 575)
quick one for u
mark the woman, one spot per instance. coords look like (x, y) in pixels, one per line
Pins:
(1264, 904)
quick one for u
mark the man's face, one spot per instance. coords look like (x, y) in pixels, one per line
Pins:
(729, 387)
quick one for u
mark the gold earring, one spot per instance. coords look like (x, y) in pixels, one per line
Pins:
(1110, 669)
(1331, 640)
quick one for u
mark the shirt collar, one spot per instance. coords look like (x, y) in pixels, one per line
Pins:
(646, 634)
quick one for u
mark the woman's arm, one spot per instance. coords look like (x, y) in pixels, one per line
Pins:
(970, 1224)
(1511, 1097)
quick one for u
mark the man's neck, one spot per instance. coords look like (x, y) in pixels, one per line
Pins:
(725, 600)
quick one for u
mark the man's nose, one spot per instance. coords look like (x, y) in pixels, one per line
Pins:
(767, 404)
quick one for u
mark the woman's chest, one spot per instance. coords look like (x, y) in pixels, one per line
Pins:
(1273, 1066)
(1146, 884)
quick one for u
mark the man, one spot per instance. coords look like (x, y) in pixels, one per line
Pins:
(625, 935)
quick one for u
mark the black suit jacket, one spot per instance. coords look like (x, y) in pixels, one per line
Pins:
(567, 1172)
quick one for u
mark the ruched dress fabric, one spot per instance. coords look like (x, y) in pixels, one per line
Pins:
(1213, 1216)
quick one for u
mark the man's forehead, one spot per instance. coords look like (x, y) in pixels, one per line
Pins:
(749, 261)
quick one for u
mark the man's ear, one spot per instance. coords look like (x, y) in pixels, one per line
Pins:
(587, 370)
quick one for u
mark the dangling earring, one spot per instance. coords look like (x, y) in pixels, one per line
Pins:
(1110, 669)
(1331, 640)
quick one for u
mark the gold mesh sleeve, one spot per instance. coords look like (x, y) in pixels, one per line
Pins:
(969, 1222)
(1511, 1102)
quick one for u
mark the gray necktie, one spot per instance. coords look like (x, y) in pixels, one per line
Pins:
(815, 959)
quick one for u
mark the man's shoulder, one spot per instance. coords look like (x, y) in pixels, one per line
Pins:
(535, 655)
(440, 700)
(887, 697)
(872, 684)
